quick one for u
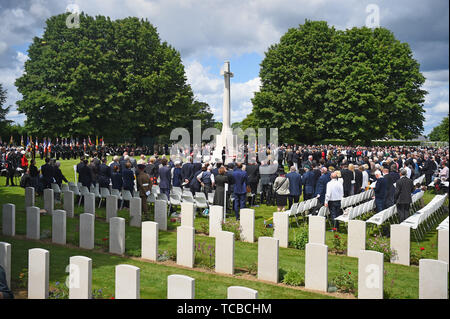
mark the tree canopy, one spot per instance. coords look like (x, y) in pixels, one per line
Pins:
(3, 112)
(440, 132)
(106, 78)
(321, 83)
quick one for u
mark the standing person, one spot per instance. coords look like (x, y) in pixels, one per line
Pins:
(390, 188)
(165, 178)
(176, 174)
(264, 173)
(220, 180)
(365, 177)
(358, 179)
(128, 179)
(116, 178)
(281, 190)
(428, 169)
(206, 180)
(295, 186)
(252, 170)
(347, 176)
(333, 197)
(187, 171)
(240, 178)
(403, 190)
(380, 191)
(321, 187)
(308, 183)
(104, 174)
(11, 167)
(5, 292)
(47, 173)
(144, 185)
(85, 173)
(34, 174)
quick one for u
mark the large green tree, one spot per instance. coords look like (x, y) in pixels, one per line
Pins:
(440, 132)
(106, 78)
(3, 112)
(357, 84)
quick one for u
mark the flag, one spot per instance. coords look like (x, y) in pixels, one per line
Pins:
(96, 140)
(89, 140)
(103, 142)
(21, 141)
(84, 144)
(36, 145)
(11, 140)
(28, 143)
(45, 146)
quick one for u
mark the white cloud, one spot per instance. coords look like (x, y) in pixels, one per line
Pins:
(209, 87)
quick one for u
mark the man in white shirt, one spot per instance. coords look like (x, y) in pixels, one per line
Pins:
(333, 197)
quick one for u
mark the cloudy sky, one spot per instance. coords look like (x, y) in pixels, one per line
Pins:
(208, 32)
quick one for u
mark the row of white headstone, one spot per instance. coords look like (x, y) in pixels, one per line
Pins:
(356, 240)
(127, 278)
(433, 274)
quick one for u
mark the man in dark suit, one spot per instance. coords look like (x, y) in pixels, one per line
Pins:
(252, 170)
(295, 186)
(187, 172)
(321, 187)
(240, 178)
(347, 177)
(164, 178)
(390, 189)
(380, 192)
(358, 180)
(85, 174)
(308, 183)
(47, 173)
(428, 169)
(403, 189)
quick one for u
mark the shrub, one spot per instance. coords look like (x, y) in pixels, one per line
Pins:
(339, 245)
(166, 255)
(294, 278)
(345, 282)
(416, 255)
(253, 268)
(382, 245)
(232, 226)
(300, 238)
(205, 257)
(58, 292)
(203, 226)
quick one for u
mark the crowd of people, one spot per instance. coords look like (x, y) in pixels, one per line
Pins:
(313, 171)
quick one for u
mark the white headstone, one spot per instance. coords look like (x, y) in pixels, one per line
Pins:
(281, 228)
(87, 228)
(69, 203)
(187, 214)
(149, 240)
(49, 200)
(127, 282)
(5, 260)
(247, 223)
(356, 239)
(161, 214)
(268, 259)
(33, 223)
(136, 212)
(443, 245)
(401, 244)
(215, 219)
(433, 279)
(117, 235)
(180, 287)
(9, 220)
(59, 227)
(89, 203)
(316, 267)
(316, 230)
(185, 246)
(29, 196)
(38, 273)
(111, 207)
(238, 292)
(370, 274)
(80, 277)
(224, 252)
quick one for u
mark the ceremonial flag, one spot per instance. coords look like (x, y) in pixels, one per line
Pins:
(21, 141)
(96, 140)
(84, 144)
(89, 140)
(103, 142)
(36, 145)
(45, 146)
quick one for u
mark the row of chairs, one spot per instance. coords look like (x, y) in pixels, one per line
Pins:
(443, 225)
(422, 221)
(302, 208)
(356, 199)
(391, 212)
(357, 211)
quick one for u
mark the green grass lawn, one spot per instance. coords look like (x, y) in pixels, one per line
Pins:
(400, 281)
